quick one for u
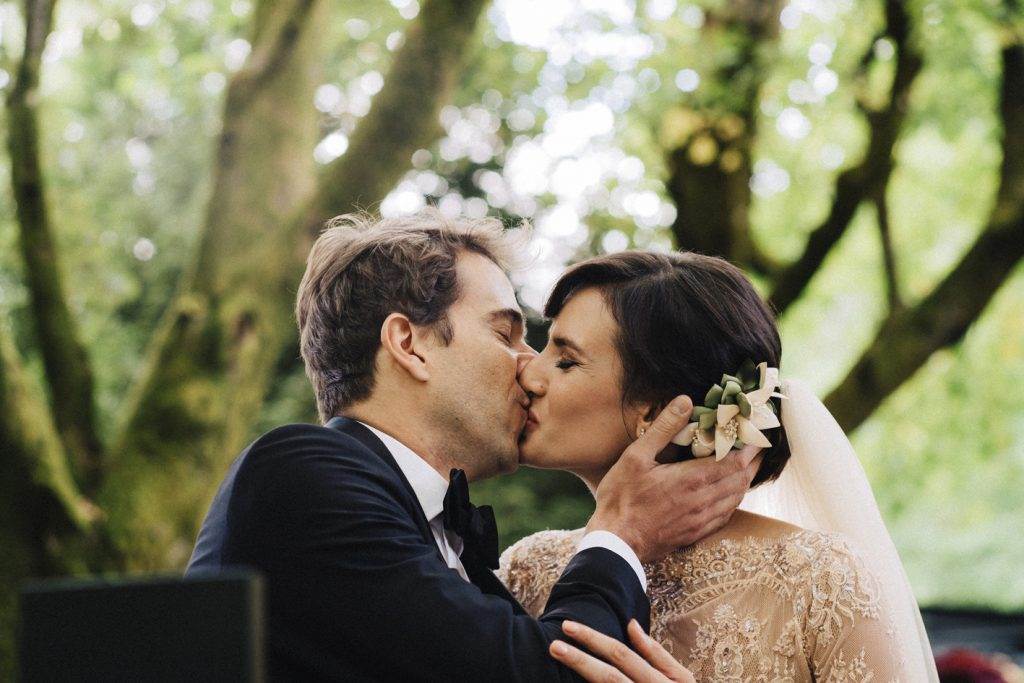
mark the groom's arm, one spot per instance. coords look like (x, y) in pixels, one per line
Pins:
(353, 582)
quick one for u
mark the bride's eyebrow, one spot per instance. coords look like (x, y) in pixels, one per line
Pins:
(566, 343)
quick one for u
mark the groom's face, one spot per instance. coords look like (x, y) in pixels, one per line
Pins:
(474, 389)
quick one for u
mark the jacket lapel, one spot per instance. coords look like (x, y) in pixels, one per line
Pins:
(364, 436)
(484, 579)
(480, 575)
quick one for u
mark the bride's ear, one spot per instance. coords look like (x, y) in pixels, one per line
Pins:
(645, 415)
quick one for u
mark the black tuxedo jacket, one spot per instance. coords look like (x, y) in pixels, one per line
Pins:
(356, 586)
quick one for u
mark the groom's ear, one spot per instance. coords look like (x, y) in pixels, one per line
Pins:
(404, 342)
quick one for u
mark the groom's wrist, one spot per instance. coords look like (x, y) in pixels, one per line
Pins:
(627, 535)
(602, 538)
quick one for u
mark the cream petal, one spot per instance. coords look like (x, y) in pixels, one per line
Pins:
(685, 437)
(701, 450)
(705, 438)
(763, 418)
(727, 413)
(759, 396)
(750, 434)
(723, 443)
(762, 368)
(771, 378)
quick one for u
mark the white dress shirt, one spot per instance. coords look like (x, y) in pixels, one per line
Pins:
(430, 488)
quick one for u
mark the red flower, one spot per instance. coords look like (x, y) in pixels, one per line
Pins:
(961, 665)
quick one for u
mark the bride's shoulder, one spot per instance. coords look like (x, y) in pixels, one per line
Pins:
(531, 565)
(761, 549)
(542, 547)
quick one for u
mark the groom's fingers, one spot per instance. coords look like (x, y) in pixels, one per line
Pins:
(589, 668)
(616, 655)
(669, 422)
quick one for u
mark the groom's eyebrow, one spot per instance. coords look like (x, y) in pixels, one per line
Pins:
(510, 314)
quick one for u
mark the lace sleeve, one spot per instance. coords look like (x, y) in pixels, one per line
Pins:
(854, 639)
(531, 566)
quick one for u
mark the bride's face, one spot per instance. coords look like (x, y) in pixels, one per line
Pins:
(577, 421)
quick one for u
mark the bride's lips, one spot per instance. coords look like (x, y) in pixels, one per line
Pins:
(531, 419)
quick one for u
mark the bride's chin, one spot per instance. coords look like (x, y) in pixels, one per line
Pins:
(532, 456)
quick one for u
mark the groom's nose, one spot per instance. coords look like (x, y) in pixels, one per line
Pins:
(525, 353)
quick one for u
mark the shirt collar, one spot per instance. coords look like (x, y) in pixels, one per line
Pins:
(428, 485)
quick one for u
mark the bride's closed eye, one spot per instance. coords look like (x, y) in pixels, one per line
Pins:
(565, 364)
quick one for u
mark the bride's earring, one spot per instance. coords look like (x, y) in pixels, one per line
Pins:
(641, 432)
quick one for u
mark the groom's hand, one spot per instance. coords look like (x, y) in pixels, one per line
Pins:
(617, 662)
(657, 508)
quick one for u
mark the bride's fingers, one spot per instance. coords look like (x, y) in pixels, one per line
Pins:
(656, 655)
(616, 654)
(589, 668)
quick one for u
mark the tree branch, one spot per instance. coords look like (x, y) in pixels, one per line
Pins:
(65, 360)
(869, 177)
(403, 117)
(888, 253)
(910, 336)
(276, 36)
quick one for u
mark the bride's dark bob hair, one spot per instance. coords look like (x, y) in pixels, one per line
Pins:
(684, 320)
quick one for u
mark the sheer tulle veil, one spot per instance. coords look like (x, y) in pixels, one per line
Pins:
(823, 488)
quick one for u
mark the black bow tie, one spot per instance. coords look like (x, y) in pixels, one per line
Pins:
(474, 525)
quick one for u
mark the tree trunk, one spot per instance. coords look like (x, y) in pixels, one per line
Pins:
(46, 522)
(210, 360)
(65, 361)
(910, 336)
(214, 355)
(710, 161)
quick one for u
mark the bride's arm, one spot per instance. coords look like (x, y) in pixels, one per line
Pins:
(531, 565)
(864, 651)
(856, 638)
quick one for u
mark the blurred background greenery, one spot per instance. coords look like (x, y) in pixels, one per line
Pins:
(171, 160)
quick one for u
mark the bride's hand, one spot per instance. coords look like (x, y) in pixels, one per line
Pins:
(620, 663)
(657, 508)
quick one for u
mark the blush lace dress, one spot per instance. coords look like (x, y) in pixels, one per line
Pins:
(758, 601)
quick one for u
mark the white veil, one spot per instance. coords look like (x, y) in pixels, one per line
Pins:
(823, 488)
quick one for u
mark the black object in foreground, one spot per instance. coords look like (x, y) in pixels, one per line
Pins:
(201, 628)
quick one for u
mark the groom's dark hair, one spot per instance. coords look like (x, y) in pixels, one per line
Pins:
(361, 269)
(684, 320)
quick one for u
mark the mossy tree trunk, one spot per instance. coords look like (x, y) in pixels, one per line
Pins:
(214, 357)
(46, 525)
(209, 364)
(65, 361)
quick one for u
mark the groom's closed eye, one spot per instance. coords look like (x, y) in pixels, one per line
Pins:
(508, 323)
